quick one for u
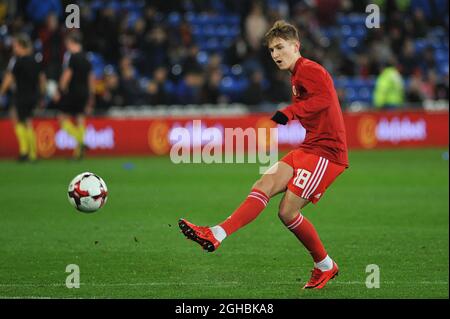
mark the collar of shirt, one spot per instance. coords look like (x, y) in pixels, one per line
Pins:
(297, 65)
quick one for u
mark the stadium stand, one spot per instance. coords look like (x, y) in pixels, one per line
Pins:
(205, 56)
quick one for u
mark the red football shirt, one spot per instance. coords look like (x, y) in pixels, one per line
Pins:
(316, 106)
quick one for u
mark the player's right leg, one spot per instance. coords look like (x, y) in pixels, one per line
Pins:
(65, 122)
(25, 131)
(290, 214)
(273, 182)
(21, 135)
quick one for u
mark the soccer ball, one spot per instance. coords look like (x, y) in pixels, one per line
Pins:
(87, 192)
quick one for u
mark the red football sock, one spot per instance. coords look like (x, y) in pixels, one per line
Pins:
(307, 234)
(248, 211)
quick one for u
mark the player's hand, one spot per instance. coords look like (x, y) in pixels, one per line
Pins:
(90, 106)
(56, 97)
(280, 118)
(41, 104)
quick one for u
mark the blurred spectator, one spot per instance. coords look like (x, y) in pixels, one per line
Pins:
(237, 52)
(4, 7)
(428, 86)
(51, 37)
(156, 88)
(210, 92)
(389, 89)
(190, 63)
(414, 95)
(109, 93)
(154, 47)
(254, 93)
(256, 25)
(279, 89)
(427, 60)
(326, 11)
(408, 59)
(188, 90)
(441, 88)
(420, 24)
(129, 84)
(105, 40)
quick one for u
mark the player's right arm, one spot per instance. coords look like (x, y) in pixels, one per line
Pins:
(8, 79)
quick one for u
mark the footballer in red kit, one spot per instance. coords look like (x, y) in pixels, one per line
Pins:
(304, 174)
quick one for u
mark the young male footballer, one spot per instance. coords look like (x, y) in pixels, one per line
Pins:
(304, 174)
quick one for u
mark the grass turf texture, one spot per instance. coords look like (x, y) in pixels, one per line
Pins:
(390, 208)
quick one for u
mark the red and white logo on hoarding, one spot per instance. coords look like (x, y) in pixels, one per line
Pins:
(372, 130)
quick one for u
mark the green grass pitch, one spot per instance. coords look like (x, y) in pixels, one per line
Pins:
(390, 209)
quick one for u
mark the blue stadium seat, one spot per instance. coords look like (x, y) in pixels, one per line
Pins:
(174, 19)
(222, 30)
(331, 32)
(212, 44)
(341, 82)
(420, 44)
(202, 57)
(350, 95)
(441, 56)
(346, 30)
(356, 19)
(233, 19)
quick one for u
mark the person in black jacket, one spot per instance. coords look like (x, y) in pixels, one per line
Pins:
(26, 73)
(76, 91)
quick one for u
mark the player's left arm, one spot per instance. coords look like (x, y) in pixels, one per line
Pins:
(64, 80)
(318, 100)
(319, 86)
(91, 101)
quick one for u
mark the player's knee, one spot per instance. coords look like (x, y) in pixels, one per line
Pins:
(286, 212)
(265, 185)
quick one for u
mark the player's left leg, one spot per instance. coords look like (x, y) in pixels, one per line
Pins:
(290, 214)
(81, 131)
(31, 137)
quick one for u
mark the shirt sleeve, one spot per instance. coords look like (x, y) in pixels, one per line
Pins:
(11, 65)
(67, 60)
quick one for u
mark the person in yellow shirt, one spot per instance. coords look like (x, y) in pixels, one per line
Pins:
(389, 92)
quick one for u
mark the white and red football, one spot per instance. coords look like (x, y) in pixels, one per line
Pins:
(87, 192)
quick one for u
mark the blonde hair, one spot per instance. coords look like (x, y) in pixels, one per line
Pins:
(23, 40)
(281, 29)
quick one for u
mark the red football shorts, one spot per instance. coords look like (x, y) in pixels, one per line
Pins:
(312, 174)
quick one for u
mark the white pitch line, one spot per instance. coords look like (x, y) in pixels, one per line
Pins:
(216, 284)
